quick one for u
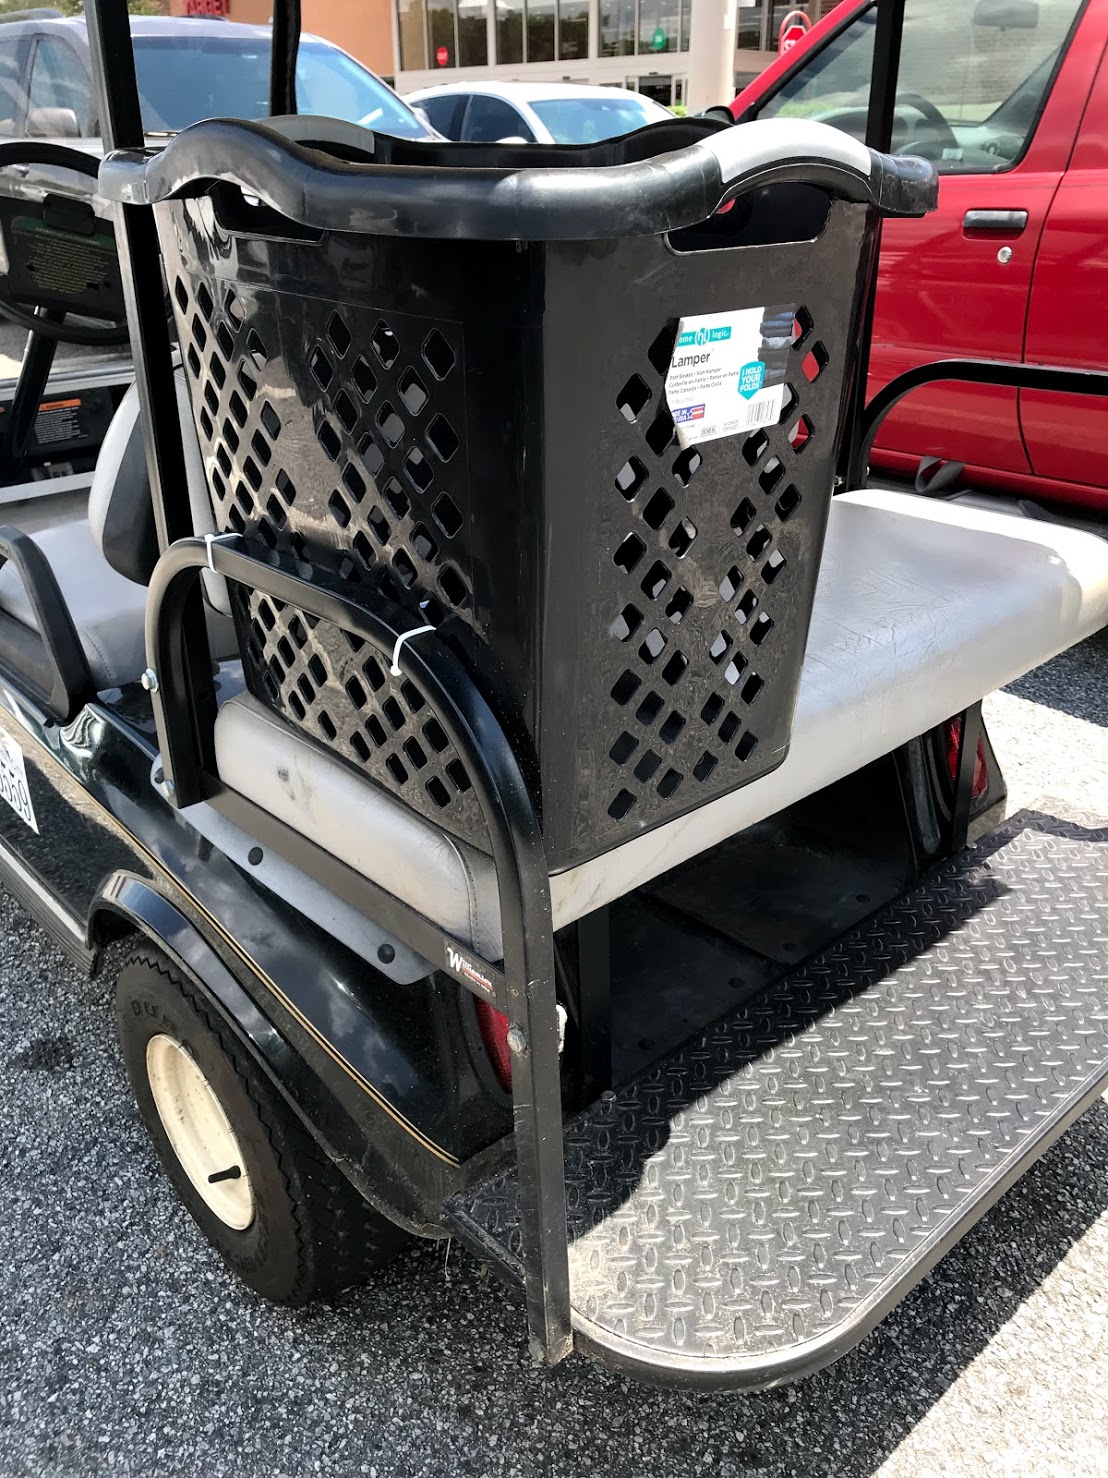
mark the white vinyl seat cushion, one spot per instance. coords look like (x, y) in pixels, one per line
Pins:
(921, 609)
(265, 759)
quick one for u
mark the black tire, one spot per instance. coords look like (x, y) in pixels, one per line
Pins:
(312, 1234)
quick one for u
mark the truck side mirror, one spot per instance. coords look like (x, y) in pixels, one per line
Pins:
(719, 112)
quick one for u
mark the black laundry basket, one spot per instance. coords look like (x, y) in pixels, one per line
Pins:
(438, 371)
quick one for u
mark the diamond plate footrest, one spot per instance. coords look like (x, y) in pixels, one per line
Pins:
(747, 1209)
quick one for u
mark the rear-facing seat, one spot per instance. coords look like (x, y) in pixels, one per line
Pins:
(102, 563)
(922, 608)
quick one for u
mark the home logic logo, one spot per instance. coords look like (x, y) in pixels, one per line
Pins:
(700, 338)
(752, 377)
(703, 336)
(465, 969)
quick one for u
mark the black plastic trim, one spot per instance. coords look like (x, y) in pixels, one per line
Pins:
(140, 905)
(49, 664)
(463, 191)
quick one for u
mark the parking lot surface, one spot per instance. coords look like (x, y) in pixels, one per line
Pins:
(126, 1349)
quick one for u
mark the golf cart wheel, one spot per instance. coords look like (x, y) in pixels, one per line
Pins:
(258, 1186)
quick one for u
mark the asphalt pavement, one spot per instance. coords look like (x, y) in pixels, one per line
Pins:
(126, 1349)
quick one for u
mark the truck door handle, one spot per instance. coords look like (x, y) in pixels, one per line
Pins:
(995, 220)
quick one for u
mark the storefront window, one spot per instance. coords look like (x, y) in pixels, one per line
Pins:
(748, 29)
(413, 35)
(573, 30)
(644, 27)
(473, 33)
(444, 50)
(442, 34)
(509, 30)
(658, 89)
(540, 30)
(617, 27)
(657, 26)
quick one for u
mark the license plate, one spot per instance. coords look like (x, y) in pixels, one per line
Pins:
(13, 780)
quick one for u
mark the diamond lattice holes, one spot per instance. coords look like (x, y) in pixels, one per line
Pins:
(711, 646)
(386, 410)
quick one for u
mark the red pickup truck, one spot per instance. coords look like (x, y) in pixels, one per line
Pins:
(1009, 99)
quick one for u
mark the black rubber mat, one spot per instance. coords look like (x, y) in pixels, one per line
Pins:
(748, 1208)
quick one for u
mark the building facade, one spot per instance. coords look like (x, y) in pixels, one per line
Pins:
(364, 28)
(641, 44)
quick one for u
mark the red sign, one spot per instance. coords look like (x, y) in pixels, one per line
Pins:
(442, 56)
(794, 28)
(207, 7)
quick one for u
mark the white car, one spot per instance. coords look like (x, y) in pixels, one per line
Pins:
(534, 112)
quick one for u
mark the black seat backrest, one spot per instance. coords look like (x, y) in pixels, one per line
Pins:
(119, 506)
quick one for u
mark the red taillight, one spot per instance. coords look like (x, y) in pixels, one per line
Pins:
(980, 766)
(494, 1034)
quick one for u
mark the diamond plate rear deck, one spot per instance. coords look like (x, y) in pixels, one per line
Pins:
(747, 1209)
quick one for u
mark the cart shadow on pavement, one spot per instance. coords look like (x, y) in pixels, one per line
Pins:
(1075, 682)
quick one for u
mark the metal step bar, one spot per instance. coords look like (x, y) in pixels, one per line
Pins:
(747, 1209)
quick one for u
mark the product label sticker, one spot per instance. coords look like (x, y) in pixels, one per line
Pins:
(13, 780)
(727, 374)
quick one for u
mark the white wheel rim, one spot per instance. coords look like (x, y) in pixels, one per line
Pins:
(200, 1132)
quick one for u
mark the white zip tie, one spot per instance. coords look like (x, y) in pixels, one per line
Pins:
(400, 640)
(209, 540)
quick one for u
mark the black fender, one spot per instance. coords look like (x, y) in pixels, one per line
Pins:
(143, 908)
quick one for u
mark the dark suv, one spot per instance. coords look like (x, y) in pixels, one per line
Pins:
(187, 70)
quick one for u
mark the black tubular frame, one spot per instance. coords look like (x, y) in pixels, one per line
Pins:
(527, 993)
(887, 40)
(880, 117)
(970, 734)
(1004, 373)
(30, 389)
(282, 57)
(120, 114)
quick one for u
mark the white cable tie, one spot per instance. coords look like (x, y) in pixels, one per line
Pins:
(400, 640)
(209, 540)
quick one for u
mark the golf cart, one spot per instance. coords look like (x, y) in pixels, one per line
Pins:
(516, 774)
